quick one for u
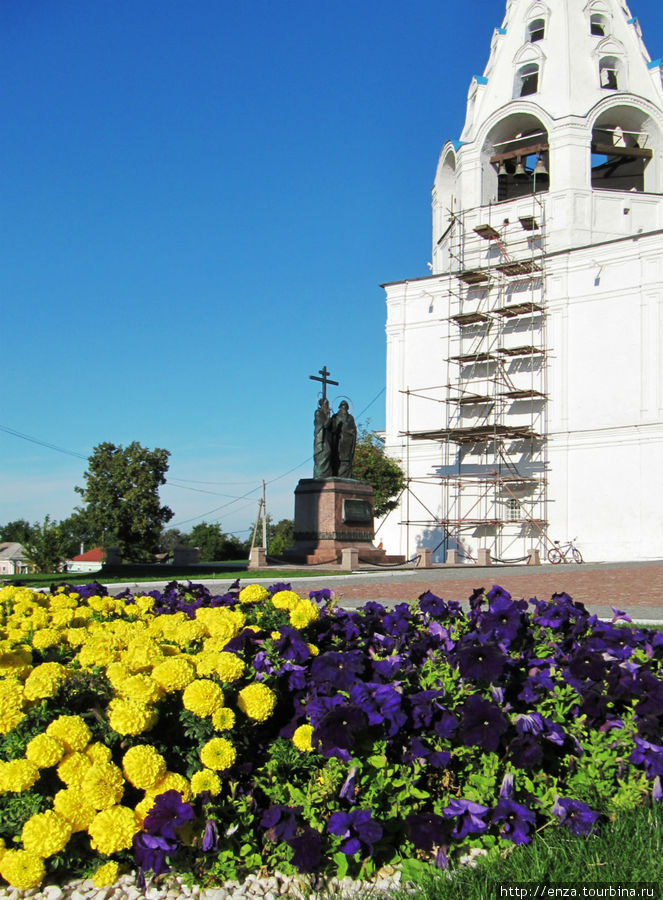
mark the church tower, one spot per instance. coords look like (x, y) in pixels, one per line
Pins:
(525, 373)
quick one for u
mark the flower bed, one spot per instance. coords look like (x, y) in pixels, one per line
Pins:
(257, 730)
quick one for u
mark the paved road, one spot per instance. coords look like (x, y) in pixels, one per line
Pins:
(634, 587)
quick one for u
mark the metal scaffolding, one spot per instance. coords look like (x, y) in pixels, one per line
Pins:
(493, 427)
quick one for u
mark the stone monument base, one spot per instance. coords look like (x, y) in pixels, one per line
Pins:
(332, 515)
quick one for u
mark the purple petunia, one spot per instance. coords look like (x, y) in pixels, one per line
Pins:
(357, 829)
(428, 831)
(648, 755)
(280, 822)
(151, 852)
(482, 723)
(516, 821)
(480, 662)
(469, 817)
(579, 818)
(338, 730)
(168, 813)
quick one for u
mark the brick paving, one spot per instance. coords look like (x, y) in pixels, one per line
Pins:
(636, 588)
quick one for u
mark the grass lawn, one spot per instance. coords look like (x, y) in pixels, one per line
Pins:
(229, 570)
(629, 849)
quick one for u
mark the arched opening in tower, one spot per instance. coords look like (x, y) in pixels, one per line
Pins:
(623, 143)
(516, 159)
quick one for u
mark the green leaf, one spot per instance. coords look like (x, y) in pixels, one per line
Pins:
(341, 861)
(378, 762)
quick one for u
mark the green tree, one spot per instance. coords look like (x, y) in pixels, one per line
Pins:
(283, 536)
(215, 545)
(121, 497)
(19, 531)
(172, 538)
(383, 473)
(45, 549)
(77, 530)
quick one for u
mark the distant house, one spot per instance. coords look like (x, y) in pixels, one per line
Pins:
(93, 560)
(13, 560)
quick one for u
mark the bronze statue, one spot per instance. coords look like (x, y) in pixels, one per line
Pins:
(344, 441)
(335, 437)
(322, 448)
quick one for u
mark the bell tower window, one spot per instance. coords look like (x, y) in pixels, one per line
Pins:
(598, 25)
(536, 30)
(609, 73)
(527, 80)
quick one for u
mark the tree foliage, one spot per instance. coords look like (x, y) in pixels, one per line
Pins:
(44, 548)
(121, 497)
(19, 531)
(383, 473)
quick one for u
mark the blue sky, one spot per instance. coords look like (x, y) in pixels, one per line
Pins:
(200, 199)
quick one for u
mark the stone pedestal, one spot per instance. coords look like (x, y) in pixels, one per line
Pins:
(332, 515)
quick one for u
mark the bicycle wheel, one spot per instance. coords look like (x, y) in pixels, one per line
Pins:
(577, 556)
(554, 556)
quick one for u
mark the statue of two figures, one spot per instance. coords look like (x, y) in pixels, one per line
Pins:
(334, 441)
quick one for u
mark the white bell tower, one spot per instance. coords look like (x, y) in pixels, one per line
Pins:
(525, 374)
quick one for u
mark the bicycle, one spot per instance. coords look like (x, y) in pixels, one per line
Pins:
(564, 553)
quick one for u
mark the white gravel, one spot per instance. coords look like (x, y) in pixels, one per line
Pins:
(255, 887)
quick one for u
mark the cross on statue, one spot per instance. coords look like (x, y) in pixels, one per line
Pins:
(325, 381)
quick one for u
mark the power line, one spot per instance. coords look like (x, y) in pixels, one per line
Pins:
(34, 440)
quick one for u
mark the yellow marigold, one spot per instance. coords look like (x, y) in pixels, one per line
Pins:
(61, 601)
(145, 604)
(223, 719)
(103, 785)
(174, 674)
(116, 673)
(217, 619)
(16, 662)
(38, 619)
(144, 807)
(229, 667)
(11, 690)
(11, 704)
(98, 753)
(44, 681)
(129, 717)
(45, 751)
(285, 599)
(205, 780)
(302, 738)
(72, 731)
(303, 614)
(47, 637)
(218, 754)
(253, 593)
(171, 781)
(100, 649)
(22, 870)
(17, 775)
(189, 632)
(106, 874)
(61, 618)
(113, 830)
(73, 806)
(142, 654)
(202, 697)
(82, 615)
(313, 650)
(75, 637)
(45, 834)
(10, 717)
(257, 701)
(73, 768)
(3, 848)
(143, 766)
(166, 625)
(141, 689)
